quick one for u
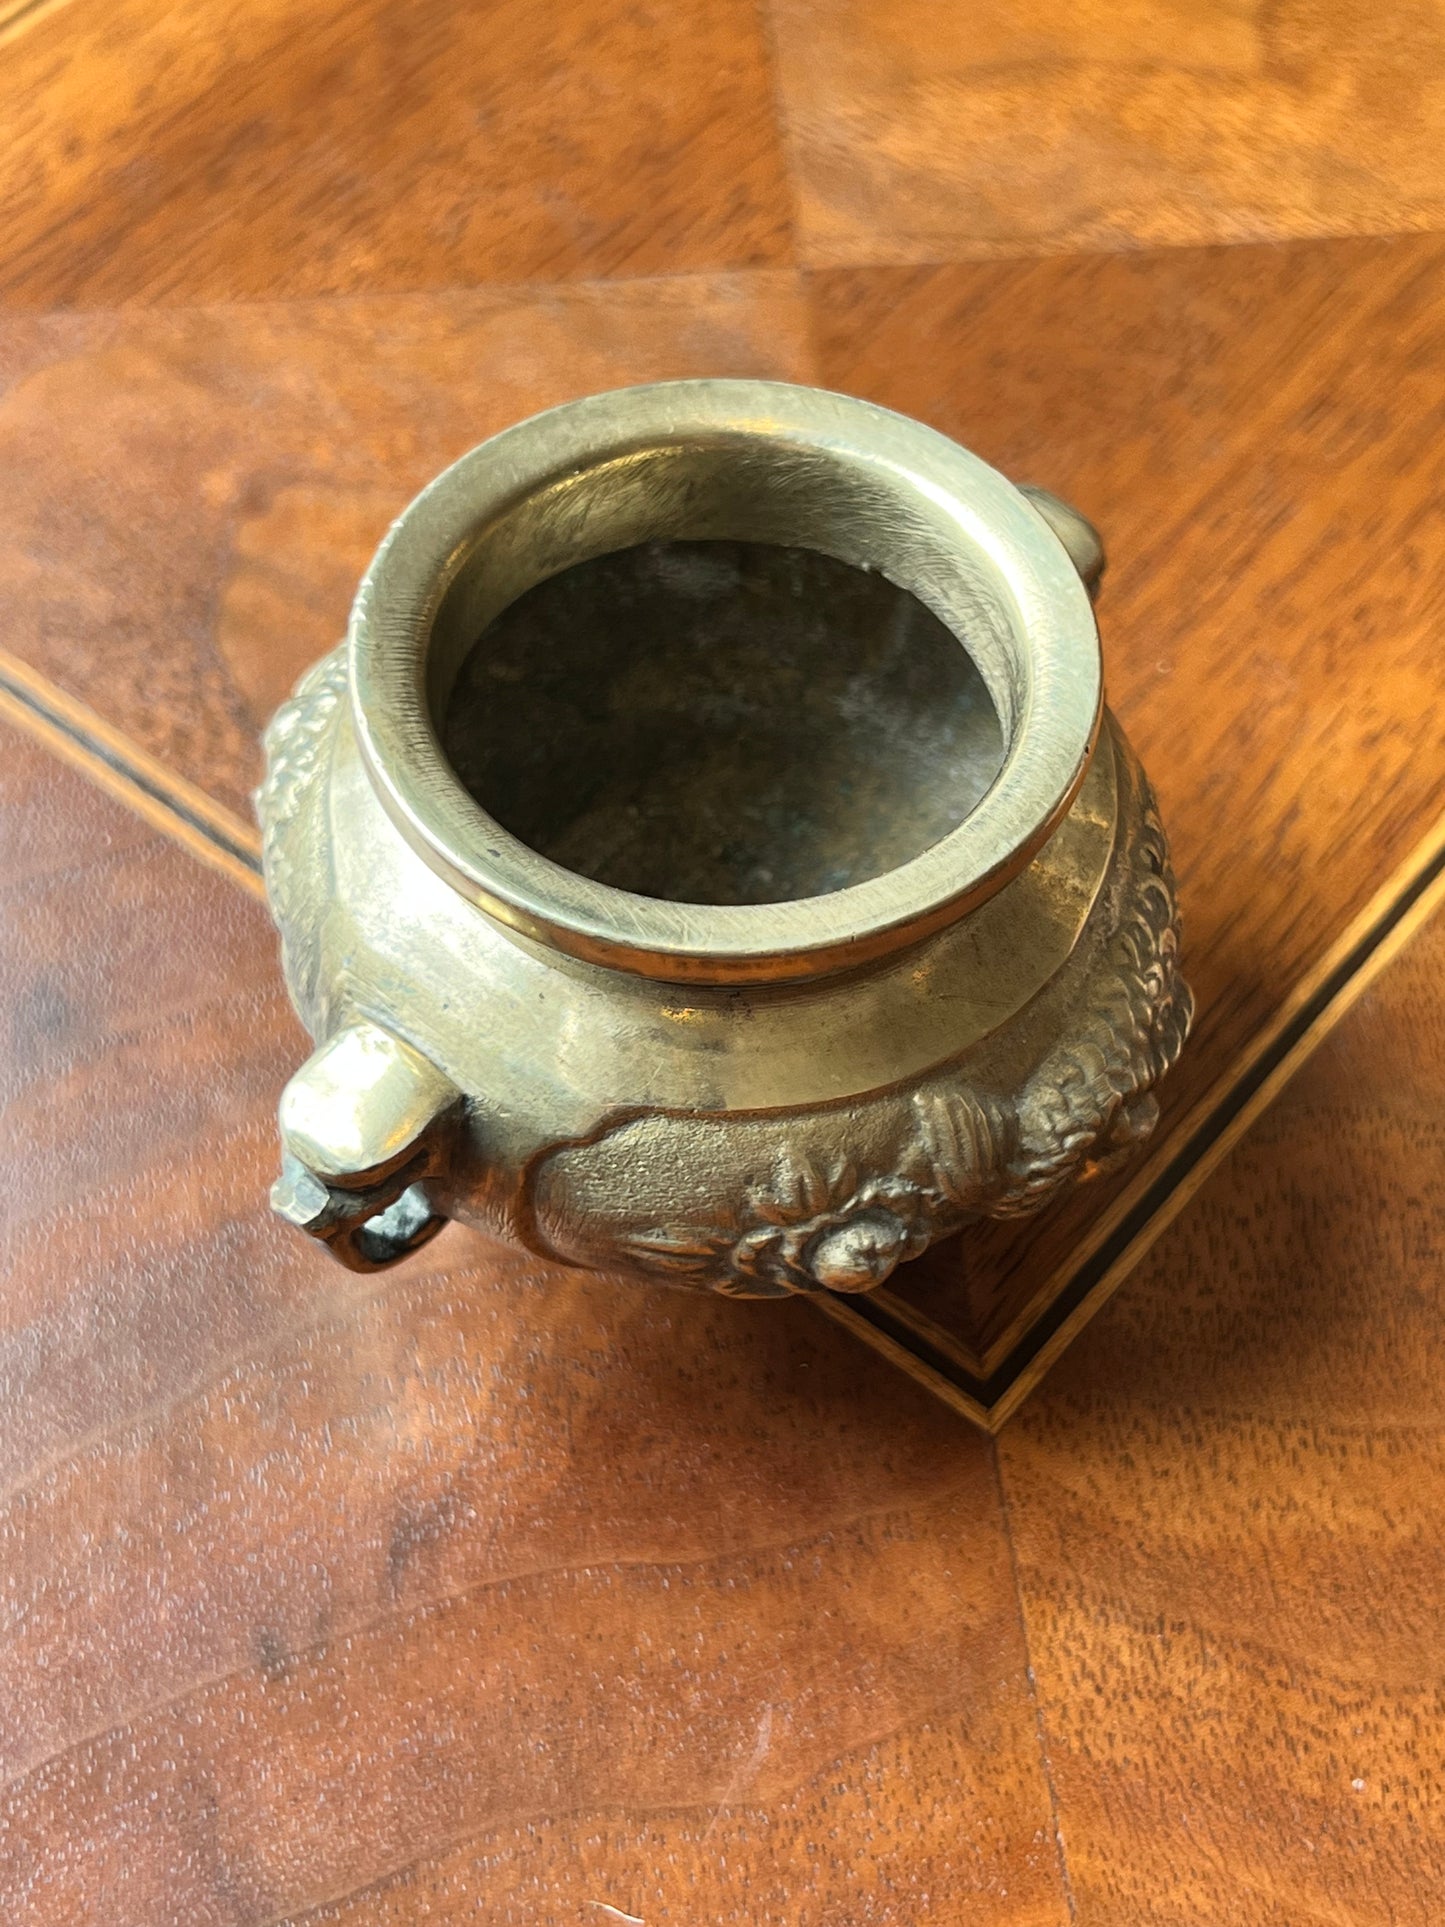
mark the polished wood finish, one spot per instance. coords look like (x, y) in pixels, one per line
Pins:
(1226, 1502)
(194, 493)
(192, 152)
(1261, 434)
(480, 1591)
(677, 1606)
(154, 790)
(478, 1586)
(1020, 127)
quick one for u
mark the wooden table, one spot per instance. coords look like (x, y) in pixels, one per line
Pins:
(482, 1592)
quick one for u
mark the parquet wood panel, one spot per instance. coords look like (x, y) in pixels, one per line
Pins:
(921, 133)
(1226, 1506)
(476, 1590)
(1258, 431)
(196, 152)
(481, 1591)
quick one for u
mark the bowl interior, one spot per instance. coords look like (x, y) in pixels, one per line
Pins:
(722, 722)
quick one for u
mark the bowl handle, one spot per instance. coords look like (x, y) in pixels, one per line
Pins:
(366, 1123)
(1077, 533)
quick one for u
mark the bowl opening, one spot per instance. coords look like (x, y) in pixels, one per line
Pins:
(722, 722)
(724, 681)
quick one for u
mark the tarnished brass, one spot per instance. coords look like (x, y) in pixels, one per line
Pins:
(664, 638)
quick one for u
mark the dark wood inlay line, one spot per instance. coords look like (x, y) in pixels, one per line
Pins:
(1398, 911)
(208, 830)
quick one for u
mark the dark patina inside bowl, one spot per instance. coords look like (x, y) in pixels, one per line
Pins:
(722, 722)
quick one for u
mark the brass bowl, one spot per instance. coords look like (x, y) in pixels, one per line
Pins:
(748, 932)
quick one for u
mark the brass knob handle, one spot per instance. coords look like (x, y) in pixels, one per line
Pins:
(365, 1124)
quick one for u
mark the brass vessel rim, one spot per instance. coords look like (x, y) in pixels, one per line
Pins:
(740, 460)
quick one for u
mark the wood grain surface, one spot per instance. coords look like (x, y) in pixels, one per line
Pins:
(197, 152)
(481, 1591)
(1016, 127)
(484, 1592)
(473, 1591)
(1226, 1506)
(1260, 432)
(194, 493)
